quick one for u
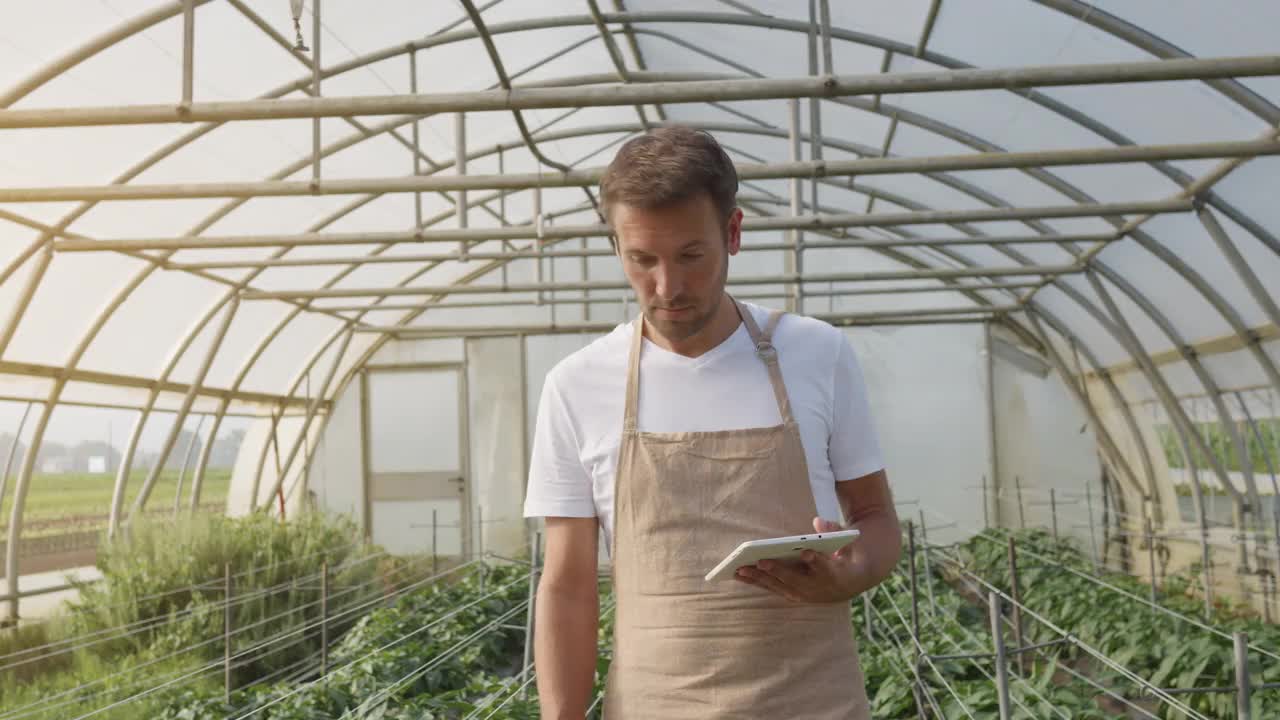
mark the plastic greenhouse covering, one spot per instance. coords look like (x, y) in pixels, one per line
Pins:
(326, 255)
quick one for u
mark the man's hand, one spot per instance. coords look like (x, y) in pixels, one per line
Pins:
(817, 578)
(852, 570)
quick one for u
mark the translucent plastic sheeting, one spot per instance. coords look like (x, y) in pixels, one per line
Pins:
(495, 382)
(278, 365)
(930, 417)
(62, 308)
(1081, 325)
(412, 429)
(247, 468)
(1043, 441)
(336, 476)
(1183, 25)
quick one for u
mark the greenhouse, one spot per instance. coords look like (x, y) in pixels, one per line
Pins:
(286, 287)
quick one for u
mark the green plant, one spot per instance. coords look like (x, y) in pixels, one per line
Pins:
(1154, 645)
(158, 612)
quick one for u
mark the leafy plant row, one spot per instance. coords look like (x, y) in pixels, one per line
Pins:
(445, 651)
(158, 614)
(951, 625)
(1164, 650)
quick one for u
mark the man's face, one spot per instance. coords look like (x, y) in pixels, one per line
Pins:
(677, 260)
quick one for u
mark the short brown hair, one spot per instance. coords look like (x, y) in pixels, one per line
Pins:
(670, 165)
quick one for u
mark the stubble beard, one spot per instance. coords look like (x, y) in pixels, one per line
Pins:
(681, 330)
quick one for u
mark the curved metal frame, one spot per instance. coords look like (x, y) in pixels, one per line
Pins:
(1232, 89)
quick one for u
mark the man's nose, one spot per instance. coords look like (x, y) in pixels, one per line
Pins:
(667, 282)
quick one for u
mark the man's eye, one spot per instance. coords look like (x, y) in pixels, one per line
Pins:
(692, 256)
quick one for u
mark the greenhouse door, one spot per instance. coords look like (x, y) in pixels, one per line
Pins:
(415, 469)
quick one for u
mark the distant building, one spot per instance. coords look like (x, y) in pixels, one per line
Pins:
(56, 464)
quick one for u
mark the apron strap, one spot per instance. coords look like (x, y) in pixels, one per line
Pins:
(769, 355)
(629, 423)
(764, 350)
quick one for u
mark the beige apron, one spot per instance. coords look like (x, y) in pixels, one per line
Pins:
(686, 648)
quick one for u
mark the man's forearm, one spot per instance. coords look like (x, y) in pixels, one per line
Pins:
(567, 623)
(877, 549)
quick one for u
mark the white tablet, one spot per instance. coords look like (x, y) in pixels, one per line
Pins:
(780, 548)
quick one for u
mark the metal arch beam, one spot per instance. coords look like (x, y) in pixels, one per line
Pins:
(615, 55)
(1153, 44)
(1130, 339)
(1210, 385)
(316, 403)
(1108, 323)
(257, 20)
(92, 47)
(131, 445)
(144, 493)
(1101, 430)
(655, 92)
(864, 39)
(530, 232)
(56, 391)
(591, 176)
(630, 33)
(1113, 392)
(775, 23)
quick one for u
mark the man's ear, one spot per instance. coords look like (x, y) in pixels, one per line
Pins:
(733, 231)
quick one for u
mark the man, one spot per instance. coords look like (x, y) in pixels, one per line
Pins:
(704, 423)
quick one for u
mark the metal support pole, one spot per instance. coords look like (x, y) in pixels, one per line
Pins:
(928, 569)
(1017, 603)
(792, 259)
(435, 556)
(202, 464)
(986, 501)
(993, 460)
(1022, 513)
(1053, 510)
(1093, 535)
(324, 618)
(460, 169)
(1265, 450)
(866, 613)
(537, 240)
(530, 613)
(12, 453)
(1241, 645)
(417, 152)
(316, 152)
(1002, 663)
(226, 632)
(1151, 557)
(188, 51)
(915, 596)
(186, 462)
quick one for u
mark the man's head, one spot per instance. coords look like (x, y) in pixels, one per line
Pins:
(669, 196)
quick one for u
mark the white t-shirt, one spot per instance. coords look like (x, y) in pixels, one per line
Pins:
(579, 427)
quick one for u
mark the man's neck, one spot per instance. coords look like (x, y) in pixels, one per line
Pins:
(724, 324)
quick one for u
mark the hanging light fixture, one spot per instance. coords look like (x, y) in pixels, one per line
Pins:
(296, 7)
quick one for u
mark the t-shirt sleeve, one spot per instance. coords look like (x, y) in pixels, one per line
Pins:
(559, 484)
(853, 448)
